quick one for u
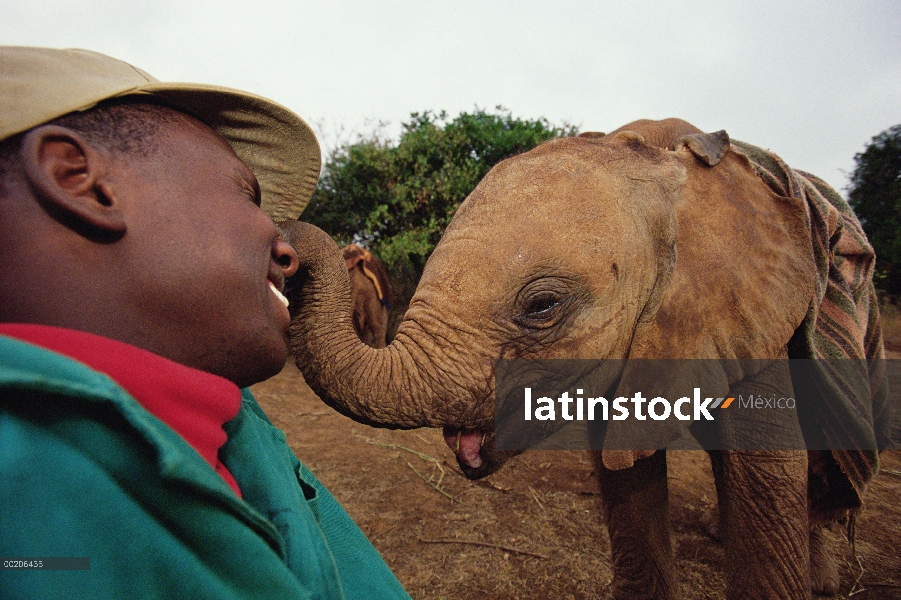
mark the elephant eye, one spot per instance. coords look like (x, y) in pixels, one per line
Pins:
(546, 301)
(541, 304)
(541, 310)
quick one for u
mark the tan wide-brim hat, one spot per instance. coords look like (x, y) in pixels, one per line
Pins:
(38, 85)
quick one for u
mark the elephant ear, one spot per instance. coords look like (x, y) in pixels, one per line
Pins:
(707, 147)
(740, 285)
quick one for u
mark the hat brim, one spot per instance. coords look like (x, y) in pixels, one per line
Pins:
(277, 145)
(41, 84)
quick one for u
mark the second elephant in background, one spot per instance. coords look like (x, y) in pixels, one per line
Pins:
(371, 294)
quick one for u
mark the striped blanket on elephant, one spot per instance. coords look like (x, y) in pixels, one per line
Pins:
(842, 323)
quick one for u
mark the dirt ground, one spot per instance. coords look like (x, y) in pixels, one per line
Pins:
(532, 530)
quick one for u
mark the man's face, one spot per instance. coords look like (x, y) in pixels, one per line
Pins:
(201, 255)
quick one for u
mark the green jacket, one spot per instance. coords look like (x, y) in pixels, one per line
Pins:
(86, 471)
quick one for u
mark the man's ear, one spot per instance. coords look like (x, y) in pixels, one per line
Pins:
(67, 176)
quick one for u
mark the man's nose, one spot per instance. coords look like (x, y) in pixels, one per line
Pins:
(285, 256)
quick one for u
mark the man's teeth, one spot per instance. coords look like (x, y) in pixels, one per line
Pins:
(278, 294)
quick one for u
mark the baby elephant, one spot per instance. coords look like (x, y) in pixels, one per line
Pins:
(657, 241)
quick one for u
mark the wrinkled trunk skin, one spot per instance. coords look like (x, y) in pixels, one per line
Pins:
(402, 386)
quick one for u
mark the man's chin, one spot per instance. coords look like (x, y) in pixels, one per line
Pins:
(264, 365)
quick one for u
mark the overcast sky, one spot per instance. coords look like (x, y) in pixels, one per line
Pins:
(812, 81)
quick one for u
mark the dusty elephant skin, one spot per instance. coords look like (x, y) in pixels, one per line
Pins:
(370, 291)
(656, 241)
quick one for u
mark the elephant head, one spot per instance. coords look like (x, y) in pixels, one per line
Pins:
(370, 291)
(655, 241)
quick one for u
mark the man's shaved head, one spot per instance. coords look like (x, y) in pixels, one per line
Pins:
(125, 127)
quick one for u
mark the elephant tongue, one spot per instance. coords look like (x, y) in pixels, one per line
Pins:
(466, 445)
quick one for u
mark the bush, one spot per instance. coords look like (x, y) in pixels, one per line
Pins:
(875, 195)
(397, 199)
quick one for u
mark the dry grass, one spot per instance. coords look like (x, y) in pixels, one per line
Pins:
(533, 530)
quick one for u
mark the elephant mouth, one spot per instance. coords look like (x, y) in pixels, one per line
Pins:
(475, 451)
(467, 445)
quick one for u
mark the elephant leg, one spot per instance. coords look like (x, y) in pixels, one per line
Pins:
(824, 577)
(378, 323)
(359, 320)
(635, 502)
(380, 327)
(368, 335)
(763, 509)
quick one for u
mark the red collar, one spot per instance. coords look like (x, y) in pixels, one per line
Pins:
(194, 403)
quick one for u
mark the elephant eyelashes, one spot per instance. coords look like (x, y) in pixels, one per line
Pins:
(542, 304)
(545, 301)
(540, 311)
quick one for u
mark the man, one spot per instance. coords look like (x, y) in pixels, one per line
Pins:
(140, 292)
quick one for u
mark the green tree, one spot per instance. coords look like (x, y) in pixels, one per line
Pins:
(875, 195)
(397, 199)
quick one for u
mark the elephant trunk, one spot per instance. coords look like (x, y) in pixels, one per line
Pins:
(399, 386)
